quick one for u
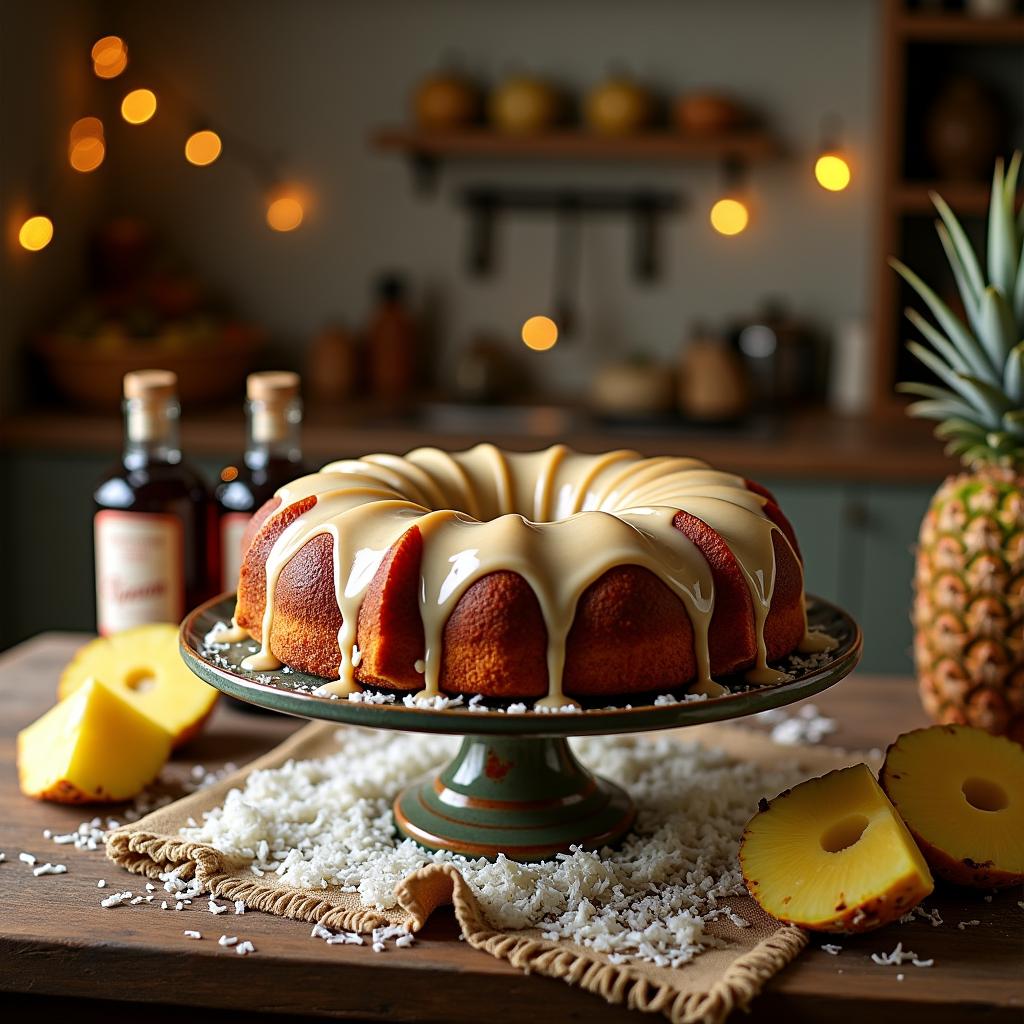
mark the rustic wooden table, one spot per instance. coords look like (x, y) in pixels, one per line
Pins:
(59, 951)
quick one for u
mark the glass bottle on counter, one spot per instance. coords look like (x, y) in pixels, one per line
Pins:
(273, 457)
(154, 543)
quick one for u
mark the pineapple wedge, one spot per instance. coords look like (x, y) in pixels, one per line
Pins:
(961, 793)
(832, 855)
(93, 747)
(144, 666)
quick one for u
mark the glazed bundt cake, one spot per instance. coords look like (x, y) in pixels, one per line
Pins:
(547, 575)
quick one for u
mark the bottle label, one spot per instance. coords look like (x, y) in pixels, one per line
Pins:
(232, 530)
(140, 569)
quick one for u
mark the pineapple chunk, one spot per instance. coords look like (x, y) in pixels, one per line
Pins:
(961, 793)
(93, 747)
(832, 855)
(144, 666)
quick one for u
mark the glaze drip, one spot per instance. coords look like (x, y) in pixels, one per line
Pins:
(558, 518)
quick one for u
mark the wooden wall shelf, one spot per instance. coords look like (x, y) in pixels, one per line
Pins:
(966, 198)
(959, 28)
(747, 146)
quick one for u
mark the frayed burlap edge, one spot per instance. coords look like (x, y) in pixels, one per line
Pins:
(436, 885)
(147, 854)
(616, 983)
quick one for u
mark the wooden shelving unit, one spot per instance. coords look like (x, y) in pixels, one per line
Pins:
(922, 26)
(748, 146)
(905, 202)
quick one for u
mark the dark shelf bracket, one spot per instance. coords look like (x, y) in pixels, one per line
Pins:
(645, 207)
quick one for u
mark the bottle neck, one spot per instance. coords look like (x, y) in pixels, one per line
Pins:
(273, 432)
(151, 432)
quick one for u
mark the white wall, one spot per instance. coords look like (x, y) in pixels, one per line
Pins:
(315, 78)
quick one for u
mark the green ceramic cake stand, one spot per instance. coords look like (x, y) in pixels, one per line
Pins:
(515, 786)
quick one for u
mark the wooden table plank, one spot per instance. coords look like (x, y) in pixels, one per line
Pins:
(56, 943)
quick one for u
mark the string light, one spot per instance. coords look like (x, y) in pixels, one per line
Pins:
(540, 333)
(202, 147)
(284, 213)
(86, 154)
(729, 216)
(109, 57)
(138, 106)
(86, 148)
(35, 233)
(832, 172)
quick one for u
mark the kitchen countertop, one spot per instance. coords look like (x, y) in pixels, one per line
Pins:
(812, 444)
(60, 952)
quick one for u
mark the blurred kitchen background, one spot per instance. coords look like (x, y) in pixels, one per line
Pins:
(659, 225)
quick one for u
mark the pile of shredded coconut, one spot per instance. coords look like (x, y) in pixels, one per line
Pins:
(328, 822)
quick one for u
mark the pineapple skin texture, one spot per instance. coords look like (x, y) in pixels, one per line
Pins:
(178, 701)
(968, 610)
(93, 747)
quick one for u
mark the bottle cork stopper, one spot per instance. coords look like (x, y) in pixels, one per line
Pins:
(151, 384)
(275, 386)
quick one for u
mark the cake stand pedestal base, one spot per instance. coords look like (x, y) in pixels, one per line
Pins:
(526, 797)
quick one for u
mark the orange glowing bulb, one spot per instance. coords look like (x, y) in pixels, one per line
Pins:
(729, 216)
(138, 106)
(202, 148)
(111, 70)
(108, 50)
(86, 154)
(832, 172)
(284, 213)
(109, 56)
(35, 233)
(540, 333)
(86, 128)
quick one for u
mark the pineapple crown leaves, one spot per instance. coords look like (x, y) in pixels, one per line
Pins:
(979, 360)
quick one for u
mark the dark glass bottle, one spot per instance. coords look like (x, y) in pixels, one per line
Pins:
(273, 457)
(154, 544)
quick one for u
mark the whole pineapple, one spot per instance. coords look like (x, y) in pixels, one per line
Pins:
(968, 608)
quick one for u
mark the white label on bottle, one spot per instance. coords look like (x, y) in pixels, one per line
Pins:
(232, 530)
(140, 569)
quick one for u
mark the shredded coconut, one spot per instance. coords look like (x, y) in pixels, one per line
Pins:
(807, 725)
(895, 958)
(192, 935)
(328, 822)
(50, 869)
(244, 948)
(832, 949)
(967, 924)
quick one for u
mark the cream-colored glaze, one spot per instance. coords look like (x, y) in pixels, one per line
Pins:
(558, 518)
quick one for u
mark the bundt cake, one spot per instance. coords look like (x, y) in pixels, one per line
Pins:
(547, 575)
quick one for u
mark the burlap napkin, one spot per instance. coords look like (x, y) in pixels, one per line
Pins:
(705, 990)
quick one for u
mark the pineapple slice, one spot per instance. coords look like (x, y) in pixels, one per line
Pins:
(144, 666)
(961, 793)
(93, 747)
(832, 855)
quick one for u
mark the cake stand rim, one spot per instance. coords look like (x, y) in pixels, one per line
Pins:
(591, 721)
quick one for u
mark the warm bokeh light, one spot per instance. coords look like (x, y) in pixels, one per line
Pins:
(138, 106)
(86, 154)
(832, 172)
(111, 70)
(284, 213)
(540, 333)
(202, 148)
(35, 233)
(86, 128)
(729, 216)
(109, 56)
(229, 473)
